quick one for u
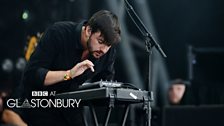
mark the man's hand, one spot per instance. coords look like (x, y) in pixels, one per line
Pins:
(81, 67)
(53, 77)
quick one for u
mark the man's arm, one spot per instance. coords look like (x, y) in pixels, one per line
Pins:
(53, 77)
(39, 71)
(10, 117)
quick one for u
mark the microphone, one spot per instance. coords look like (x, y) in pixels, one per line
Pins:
(131, 12)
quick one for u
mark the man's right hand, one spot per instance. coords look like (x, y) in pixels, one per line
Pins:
(81, 67)
(53, 77)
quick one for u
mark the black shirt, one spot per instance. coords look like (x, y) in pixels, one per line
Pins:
(60, 49)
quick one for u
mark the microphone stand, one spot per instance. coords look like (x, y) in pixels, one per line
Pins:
(149, 43)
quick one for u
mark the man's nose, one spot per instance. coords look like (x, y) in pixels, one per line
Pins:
(104, 48)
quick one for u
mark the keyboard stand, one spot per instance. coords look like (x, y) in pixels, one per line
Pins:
(112, 97)
(146, 108)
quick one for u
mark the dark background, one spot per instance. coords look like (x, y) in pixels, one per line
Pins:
(177, 24)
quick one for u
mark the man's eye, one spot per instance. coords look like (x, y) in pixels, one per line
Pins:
(100, 41)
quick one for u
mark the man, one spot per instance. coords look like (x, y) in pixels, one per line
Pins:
(176, 92)
(7, 116)
(67, 55)
(180, 93)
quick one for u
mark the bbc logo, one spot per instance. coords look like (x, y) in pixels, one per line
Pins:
(39, 93)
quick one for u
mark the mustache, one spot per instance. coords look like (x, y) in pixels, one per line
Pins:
(99, 52)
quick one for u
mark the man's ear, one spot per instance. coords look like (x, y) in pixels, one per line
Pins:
(88, 31)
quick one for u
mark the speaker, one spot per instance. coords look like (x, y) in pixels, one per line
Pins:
(193, 115)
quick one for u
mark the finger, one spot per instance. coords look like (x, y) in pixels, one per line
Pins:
(88, 62)
(90, 66)
(92, 69)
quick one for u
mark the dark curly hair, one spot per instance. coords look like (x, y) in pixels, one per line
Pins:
(107, 23)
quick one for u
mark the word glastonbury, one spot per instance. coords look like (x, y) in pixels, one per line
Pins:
(43, 103)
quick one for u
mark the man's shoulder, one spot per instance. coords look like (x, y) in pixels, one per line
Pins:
(64, 24)
(68, 23)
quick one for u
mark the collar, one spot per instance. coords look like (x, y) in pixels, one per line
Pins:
(78, 31)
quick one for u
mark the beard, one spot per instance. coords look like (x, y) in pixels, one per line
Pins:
(95, 53)
(89, 47)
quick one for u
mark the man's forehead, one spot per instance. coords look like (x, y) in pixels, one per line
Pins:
(100, 36)
(178, 85)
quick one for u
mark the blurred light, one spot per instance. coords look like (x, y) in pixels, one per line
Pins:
(20, 64)
(7, 65)
(25, 15)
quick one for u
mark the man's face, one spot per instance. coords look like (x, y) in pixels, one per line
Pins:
(176, 93)
(96, 45)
